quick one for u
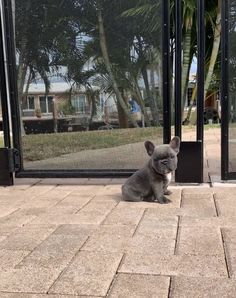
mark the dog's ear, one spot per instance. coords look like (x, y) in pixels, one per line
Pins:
(149, 147)
(175, 144)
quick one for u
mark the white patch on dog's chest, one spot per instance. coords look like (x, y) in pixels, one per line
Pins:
(168, 178)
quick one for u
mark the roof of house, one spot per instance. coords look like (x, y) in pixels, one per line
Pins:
(58, 87)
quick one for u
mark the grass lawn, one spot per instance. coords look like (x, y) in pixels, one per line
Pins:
(43, 146)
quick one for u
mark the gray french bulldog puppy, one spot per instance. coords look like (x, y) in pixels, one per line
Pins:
(150, 183)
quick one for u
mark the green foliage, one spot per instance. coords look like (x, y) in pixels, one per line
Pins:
(43, 146)
(67, 109)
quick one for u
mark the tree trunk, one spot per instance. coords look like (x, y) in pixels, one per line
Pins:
(152, 102)
(140, 101)
(107, 63)
(93, 107)
(22, 70)
(193, 98)
(123, 120)
(187, 60)
(13, 6)
(215, 49)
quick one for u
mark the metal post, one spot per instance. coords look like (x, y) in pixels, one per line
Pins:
(224, 91)
(178, 66)
(200, 68)
(166, 72)
(6, 154)
(4, 100)
(12, 77)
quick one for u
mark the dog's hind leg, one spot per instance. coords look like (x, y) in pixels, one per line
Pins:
(131, 195)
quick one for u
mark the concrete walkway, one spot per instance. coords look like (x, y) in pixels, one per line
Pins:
(132, 156)
(62, 239)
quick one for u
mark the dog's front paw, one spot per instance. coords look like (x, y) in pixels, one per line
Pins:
(167, 192)
(163, 200)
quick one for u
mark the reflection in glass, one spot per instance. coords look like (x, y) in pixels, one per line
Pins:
(89, 82)
(232, 86)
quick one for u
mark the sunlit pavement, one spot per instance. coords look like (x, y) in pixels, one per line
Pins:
(63, 238)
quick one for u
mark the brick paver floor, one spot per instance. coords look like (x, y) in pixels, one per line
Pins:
(62, 239)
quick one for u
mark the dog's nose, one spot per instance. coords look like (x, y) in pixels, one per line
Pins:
(164, 162)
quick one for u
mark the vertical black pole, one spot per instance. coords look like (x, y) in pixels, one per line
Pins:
(200, 79)
(166, 72)
(4, 100)
(12, 76)
(225, 90)
(200, 68)
(178, 65)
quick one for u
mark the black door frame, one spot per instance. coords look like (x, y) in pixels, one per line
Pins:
(111, 173)
(225, 173)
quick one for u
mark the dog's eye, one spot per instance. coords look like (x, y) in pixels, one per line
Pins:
(172, 156)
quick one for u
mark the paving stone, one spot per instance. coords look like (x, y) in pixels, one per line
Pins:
(138, 286)
(110, 189)
(119, 230)
(75, 230)
(41, 202)
(39, 190)
(229, 236)
(186, 265)
(200, 241)
(54, 253)
(93, 213)
(197, 196)
(75, 201)
(56, 193)
(175, 198)
(26, 295)
(10, 258)
(197, 190)
(222, 195)
(124, 216)
(16, 219)
(226, 207)
(7, 230)
(62, 219)
(60, 209)
(106, 243)
(117, 198)
(202, 207)
(29, 280)
(207, 221)
(64, 181)
(151, 223)
(4, 210)
(2, 238)
(187, 287)
(91, 273)
(81, 189)
(162, 243)
(101, 207)
(27, 237)
(224, 188)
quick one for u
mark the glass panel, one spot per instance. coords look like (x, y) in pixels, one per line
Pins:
(1, 128)
(31, 103)
(50, 104)
(103, 109)
(82, 104)
(232, 86)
